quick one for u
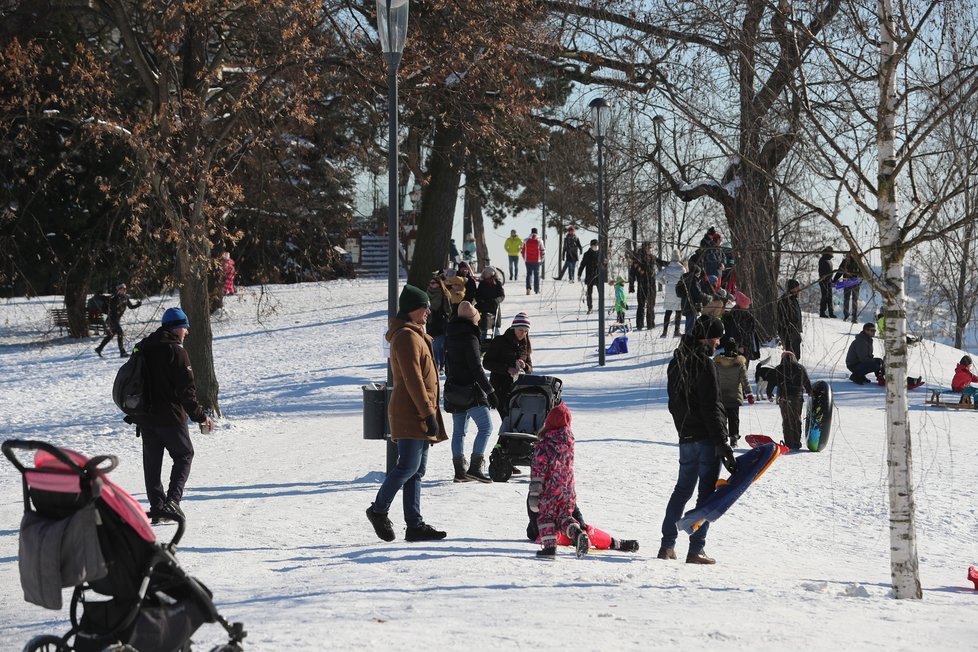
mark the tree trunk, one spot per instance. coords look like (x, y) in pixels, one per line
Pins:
(963, 305)
(438, 204)
(76, 294)
(195, 301)
(473, 215)
(757, 272)
(904, 570)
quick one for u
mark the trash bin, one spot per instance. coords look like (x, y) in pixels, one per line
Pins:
(375, 422)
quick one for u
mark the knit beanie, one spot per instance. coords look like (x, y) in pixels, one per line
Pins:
(521, 321)
(792, 284)
(411, 299)
(558, 417)
(467, 311)
(707, 328)
(175, 318)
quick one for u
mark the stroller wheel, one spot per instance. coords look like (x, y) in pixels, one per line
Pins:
(500, 468)
(121, 647)
(46, 643)
(227, 647)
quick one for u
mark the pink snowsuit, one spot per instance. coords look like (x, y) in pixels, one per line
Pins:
(229, 276)
(552, 478)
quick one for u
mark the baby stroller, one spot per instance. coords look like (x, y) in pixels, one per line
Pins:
(529, 402)
(80, 529)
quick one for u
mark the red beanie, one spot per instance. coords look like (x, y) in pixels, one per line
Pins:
(558, 417)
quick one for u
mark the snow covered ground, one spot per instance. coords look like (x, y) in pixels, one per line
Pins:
(276, 499)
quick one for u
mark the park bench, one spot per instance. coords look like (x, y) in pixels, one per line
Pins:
(59, 320)
(939, 398)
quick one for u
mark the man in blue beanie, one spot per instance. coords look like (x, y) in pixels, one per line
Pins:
(173, 398)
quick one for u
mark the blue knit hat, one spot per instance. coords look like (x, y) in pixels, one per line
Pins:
(175, 318)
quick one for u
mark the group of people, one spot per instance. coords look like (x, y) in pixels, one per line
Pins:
(532, 252)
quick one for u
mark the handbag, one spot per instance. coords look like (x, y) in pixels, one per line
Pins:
(461, 397)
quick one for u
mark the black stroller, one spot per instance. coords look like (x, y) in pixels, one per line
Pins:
(80, 529)
(529, 402)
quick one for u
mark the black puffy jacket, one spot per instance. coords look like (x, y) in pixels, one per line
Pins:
(694, 394)
(173, 394)
(462, 363)
(501, 356)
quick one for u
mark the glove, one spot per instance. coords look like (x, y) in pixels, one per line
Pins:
(750, 399)
(431, 424)
(726, 455)
(493, 400)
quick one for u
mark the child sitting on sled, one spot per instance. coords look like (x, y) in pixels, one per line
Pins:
(552, 493)
(963, 378)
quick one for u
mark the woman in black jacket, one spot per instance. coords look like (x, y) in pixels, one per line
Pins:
(508, 357)
(467, 392)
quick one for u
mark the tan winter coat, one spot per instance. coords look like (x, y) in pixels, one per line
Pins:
(732, 375)
(416, 392)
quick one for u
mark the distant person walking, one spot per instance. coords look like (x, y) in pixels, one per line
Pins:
(173, 400)
(643, 270)
(117, 308)
(588, 272)
(572, 252)
(415, 419)
(532, 253)
(849, 271)
(669, 277)
(513, 246)
(825, 269)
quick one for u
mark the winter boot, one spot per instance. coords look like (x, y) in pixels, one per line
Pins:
(548, 554)
(98, 350)
(666, 553)
(625, 545)
(699, 558)
(477, 471)
(581, 544)
(424, 532)
(382, 525)
(171, 511)
(459, 463)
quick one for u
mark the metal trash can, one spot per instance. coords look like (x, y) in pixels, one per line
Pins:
(375, 422)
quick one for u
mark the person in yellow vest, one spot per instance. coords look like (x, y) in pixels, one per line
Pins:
(513, 246)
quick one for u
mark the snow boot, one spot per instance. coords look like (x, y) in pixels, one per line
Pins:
(581, 544)
(699, 558)
(548, 554)
(382, 525)
(423, 532)
(477, 470)
(459, 463)
(625, 545)
(98, 350)
(666, 553)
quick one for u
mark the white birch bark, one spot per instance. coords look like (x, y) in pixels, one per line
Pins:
(904, 570)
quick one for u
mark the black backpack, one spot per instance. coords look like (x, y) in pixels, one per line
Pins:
(131, 390)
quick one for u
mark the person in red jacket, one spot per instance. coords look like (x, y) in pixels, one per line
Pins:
(532, 252)
(963, 378)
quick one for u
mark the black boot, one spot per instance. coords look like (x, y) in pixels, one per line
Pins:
(549, 553)
(477, 471)
(581, 544)
(625, 545)
(382, 525)
(459, 463)
(424, 532)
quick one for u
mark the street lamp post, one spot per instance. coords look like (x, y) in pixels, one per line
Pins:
(392, 21)
(599, 126)
(543, 155)
(657, 122)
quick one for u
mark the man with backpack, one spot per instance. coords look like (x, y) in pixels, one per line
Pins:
(172, 399)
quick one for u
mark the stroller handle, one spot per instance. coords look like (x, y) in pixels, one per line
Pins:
(93, 465)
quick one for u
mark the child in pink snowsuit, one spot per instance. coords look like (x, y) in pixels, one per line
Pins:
(552, 485)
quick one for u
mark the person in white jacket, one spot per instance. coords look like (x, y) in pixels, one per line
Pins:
(669, 276)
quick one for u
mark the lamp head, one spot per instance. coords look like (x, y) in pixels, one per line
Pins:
(392, 21)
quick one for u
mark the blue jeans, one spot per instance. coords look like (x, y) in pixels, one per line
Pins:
(569, 266)
(412, 457)
(533, 271)
(698, 463)
(690, 321)
(514, 267)
(483, 423)
(438, 348)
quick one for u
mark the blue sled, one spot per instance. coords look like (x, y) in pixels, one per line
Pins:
(750, 466)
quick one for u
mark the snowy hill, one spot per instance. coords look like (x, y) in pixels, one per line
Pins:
(276, 498)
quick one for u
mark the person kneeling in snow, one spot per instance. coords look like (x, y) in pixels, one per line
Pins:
(552, 485)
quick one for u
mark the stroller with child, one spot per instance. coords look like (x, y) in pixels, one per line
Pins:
(530, 401)
(80, 529)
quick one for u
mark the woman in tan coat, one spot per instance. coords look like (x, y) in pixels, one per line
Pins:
(415, 419)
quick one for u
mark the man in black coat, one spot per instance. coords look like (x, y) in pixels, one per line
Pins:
(789, 318)
(643, 269)
(588, 271)
(117, 307)
(173, 398)
(694, 292)
(825, 269)
(859, 358)
(697, 411)
(849, 270)
(572, 251)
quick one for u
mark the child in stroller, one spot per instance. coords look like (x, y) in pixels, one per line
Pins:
(80, 529)
(530, 401)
